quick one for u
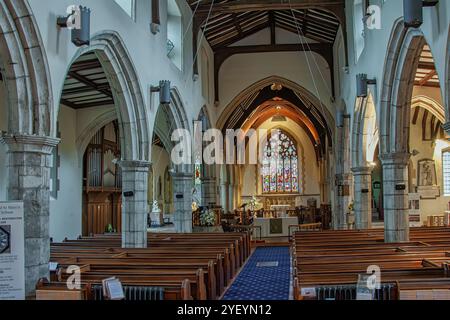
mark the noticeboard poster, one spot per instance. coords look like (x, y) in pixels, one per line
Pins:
(12, 251)
(414, 210)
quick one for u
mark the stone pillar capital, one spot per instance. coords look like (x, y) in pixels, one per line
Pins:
(182, 175)
(29, 143)
(362, 171)
(398, 158)
(134, 165)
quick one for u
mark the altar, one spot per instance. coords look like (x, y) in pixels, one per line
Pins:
(275, 227)
(280, 209)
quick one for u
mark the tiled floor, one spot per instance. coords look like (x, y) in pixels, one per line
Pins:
(266, 276)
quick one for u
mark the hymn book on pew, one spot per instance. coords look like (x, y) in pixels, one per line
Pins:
(112, 289)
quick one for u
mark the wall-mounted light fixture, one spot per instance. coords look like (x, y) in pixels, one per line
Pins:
(362, 84)
(413, 11)
(164, 91)
(79, 22)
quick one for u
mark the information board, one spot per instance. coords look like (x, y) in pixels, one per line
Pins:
(12, 251)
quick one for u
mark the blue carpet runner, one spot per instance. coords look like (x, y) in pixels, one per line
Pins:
(266, 276)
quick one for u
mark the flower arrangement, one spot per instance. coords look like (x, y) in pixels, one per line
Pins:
(254, 203)
(208, 218)
(351, 207)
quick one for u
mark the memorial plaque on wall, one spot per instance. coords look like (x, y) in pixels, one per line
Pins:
(12, 251)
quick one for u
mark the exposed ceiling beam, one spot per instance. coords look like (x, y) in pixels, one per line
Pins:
(89, 83)
(258, 5)
(428, 77)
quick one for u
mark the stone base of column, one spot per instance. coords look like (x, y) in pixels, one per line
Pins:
(29, 165)
(134, 204)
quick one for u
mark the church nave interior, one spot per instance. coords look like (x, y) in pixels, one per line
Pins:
(224, 150)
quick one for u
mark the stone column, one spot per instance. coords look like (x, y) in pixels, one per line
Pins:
(29, 166)
(395, 193)
(344, 182)
(344, 178)
(134, 203)
(363, 197)
(230, 197)
(182, 184)
(224, 197)
(209, 191)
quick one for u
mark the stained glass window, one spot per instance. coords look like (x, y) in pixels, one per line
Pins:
(198, 174)
(279, 168)
(446, 172)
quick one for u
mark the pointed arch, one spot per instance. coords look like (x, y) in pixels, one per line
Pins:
(447, 84)
(365, 132)
(26, 71)
(129, 103)
(434, 107)
(311, 100)
(402, 60)
(85, 137)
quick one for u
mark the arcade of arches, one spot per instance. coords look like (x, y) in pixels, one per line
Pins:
(88, 141)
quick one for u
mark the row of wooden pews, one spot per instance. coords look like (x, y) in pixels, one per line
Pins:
(172, 267)
(327, 264)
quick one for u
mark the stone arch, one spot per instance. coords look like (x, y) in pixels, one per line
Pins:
(313, 101)
(431, 105)
(365, 132)
(179, 111)
(402, 60)
(85, 137)
(26, 71)
(447, 85)
(403, 55)
(365, 139)
(129, 103)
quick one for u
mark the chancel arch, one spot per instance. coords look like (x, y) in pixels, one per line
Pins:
(276, 104)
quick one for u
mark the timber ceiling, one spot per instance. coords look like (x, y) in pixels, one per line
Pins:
(86, 84)
(426, 75)
(226, 22)
(232, 20)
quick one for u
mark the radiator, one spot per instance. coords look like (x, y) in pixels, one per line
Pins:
(133, 293)
(386, 292)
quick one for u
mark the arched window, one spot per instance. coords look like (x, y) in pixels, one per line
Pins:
(358, 27)
(446, 171)
(280, 164)
(174, 34)
(128, 6)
